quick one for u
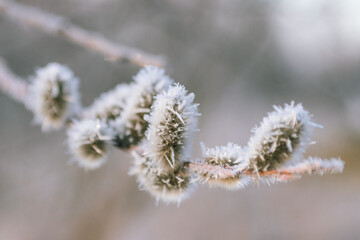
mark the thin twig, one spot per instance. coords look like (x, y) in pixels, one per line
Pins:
(11, 84)
(59, 26)
(316, 166)
(294, 172)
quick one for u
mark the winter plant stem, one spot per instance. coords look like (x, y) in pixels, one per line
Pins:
(62, 27)
(284, 174)
(11, 84)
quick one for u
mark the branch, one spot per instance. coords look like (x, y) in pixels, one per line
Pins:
(159, 165)
(14, 86)
(59, 26)
(311, 165)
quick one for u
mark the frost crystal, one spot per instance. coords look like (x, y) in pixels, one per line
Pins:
(173, 121)
(54, 95)
(164, 113)
(87, 141)
(230, 157)
(318, 166)
(109, 105)
(168, 186)
(283, 135)
(227, 156)
(149, 82)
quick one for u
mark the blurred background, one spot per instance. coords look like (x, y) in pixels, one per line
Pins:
(239, 58)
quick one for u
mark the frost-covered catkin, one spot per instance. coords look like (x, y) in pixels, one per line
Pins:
(87, 141)
(54, 96)
(149, 82)
(231, 157)
(173, 121)
(110, 105)
(282, 136)
(168, 186)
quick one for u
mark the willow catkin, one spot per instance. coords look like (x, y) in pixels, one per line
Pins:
(282, 136)
(172, 123)
(231, 157)
(131, 126)
(54, 96)
(110, 105)
(88, 143)
(167, 186)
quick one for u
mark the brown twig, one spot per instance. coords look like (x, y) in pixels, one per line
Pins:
(284, 174)
(11, 84)
(294, 172)
(59, 26)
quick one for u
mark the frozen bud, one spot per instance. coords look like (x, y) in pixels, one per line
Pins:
(88, 143)
(230, 155)
(110, 105)
(54, 95)
(283, 135)
(171, 186)
(173, 121)
(149, 82)
(231, 158)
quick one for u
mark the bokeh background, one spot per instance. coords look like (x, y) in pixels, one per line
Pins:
(239, 58)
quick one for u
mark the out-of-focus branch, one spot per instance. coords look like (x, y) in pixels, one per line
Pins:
(59, 26)
(12, 84)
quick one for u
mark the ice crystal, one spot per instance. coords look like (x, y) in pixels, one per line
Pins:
(311, 165)
(167, 186)
(109, 105)
(283, 135)
(231, 157)
(227, 156)
(164, 113)
(173, 121)
(318, 166)
(53, 95)
(87, 141)
(149, 82)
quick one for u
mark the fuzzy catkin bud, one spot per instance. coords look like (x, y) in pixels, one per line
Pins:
(171, 186)
(283, 135)
(110, 105)
(173, 121)
(87, 141)
(54, 95)
(231, 157)
(149, 82)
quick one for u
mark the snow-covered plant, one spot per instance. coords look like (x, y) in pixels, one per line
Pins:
(282, 136)
(53, 95)
(160, 169)
(231, 157)
(169, 186)
(149, 82)
(274, 153)
(110, 105)
(88, 142)
(156, 119)
(173, 121)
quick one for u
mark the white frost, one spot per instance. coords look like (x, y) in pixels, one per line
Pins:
(111, 103)
(45, 88)
(94, 135)
(173, 121)
(268, 137)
